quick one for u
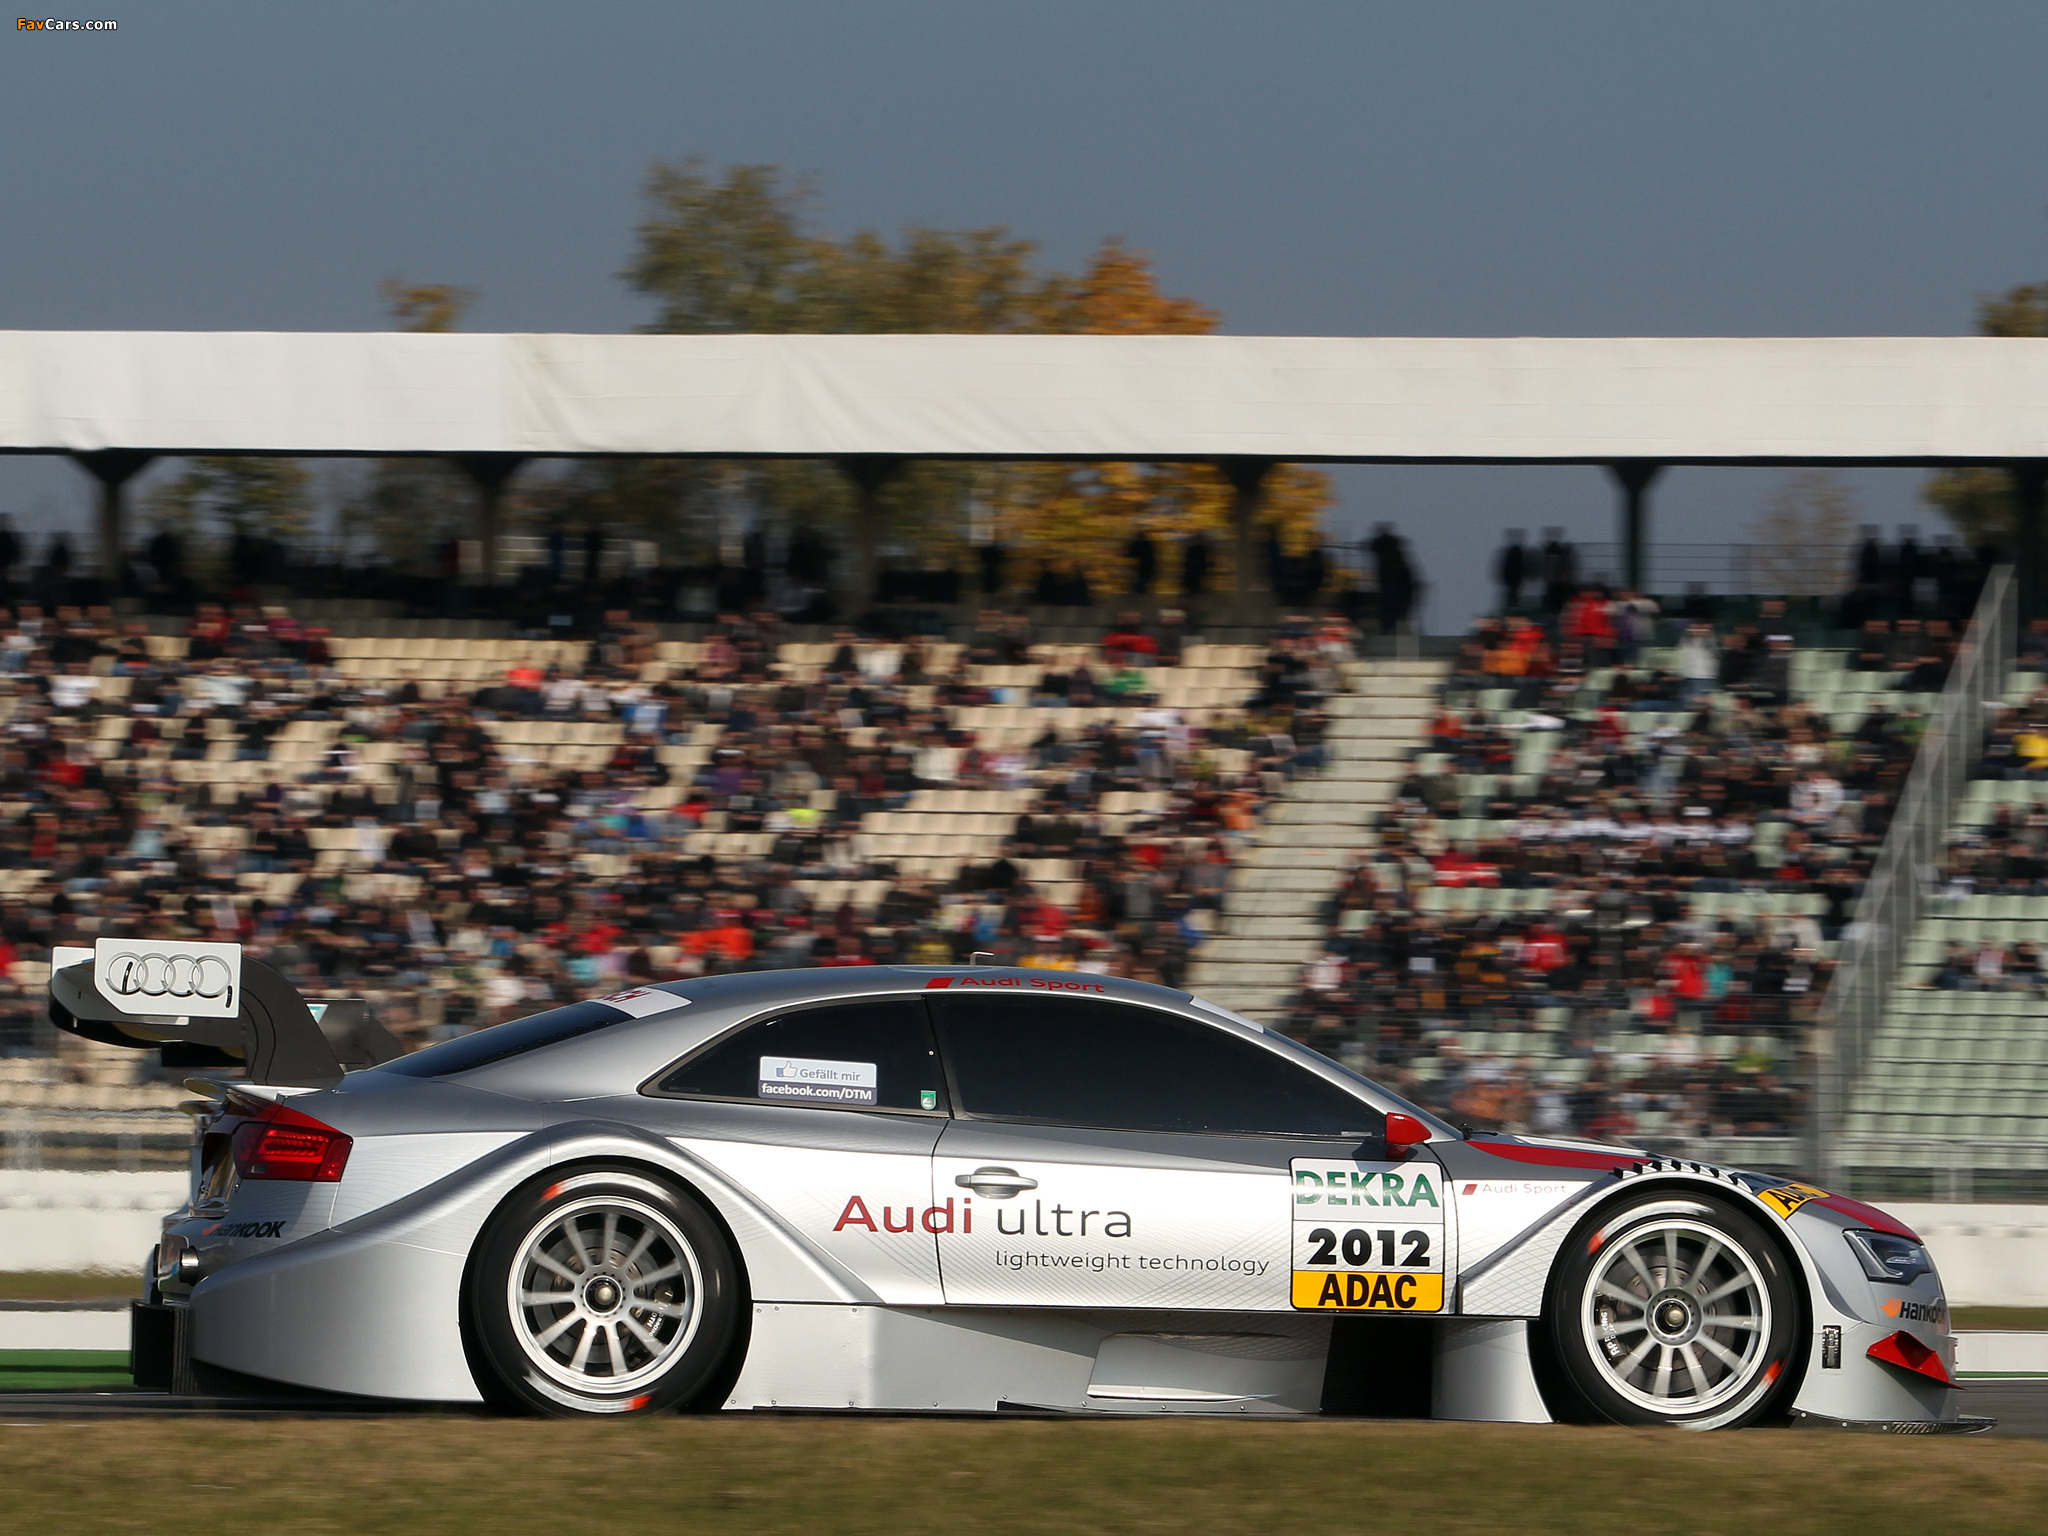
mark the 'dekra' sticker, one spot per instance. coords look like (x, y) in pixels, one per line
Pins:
(1368, 1237)
(818, 1082)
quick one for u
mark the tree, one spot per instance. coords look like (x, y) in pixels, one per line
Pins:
(1087, 512)
(727, 255)
(407, 509)
(740, 252)
(220, 507)
(1802, 542)
(1979, 501)
(431, 308)
(671, 501)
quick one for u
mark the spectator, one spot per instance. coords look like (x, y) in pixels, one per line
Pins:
(1558, 567)
(1699, 662)
(1511, 570)
(1394, 577)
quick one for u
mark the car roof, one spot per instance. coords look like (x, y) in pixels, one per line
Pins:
(617, 1059)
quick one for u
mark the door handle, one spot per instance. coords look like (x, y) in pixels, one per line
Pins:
(996, 1183)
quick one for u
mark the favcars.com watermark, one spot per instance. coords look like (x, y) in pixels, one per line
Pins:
(52, 24)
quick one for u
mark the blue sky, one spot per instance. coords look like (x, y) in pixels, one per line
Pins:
(1331, 169)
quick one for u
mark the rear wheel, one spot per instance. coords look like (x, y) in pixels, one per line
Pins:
(604, 1292)
(1674, 1311)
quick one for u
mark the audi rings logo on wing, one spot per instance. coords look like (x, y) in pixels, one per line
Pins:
(169, 976)
(178, 977)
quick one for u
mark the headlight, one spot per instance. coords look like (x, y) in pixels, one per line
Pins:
(1888, 1257)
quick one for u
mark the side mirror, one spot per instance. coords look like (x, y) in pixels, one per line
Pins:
(1404, 1134)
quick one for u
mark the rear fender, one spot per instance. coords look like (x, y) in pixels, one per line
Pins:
(374, 1306)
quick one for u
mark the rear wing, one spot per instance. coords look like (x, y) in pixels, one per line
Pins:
(152, 993)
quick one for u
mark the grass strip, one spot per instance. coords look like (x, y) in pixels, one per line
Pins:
(62, 1370)
(940, 1478)
(60, 1285)
(2031, 1319)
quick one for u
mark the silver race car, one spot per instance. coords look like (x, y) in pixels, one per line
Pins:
(961, 1188)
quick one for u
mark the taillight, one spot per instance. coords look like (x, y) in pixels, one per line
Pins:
(284, 1144)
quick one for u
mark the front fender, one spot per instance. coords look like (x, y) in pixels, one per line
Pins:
(1846, 1315)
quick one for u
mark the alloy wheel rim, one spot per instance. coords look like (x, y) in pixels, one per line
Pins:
(604, 1295)
(1677, 1317)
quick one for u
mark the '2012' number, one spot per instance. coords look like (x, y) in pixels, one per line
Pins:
(1356, 1244)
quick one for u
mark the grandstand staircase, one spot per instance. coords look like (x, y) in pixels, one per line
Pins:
(1313, 834)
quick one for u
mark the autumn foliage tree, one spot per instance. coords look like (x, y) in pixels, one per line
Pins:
(1086, 513)
(1979, 501)
(740, 252)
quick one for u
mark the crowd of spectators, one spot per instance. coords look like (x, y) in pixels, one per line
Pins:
(2002, 851)
(1606, 896)
(1603, 900)
(456, 880)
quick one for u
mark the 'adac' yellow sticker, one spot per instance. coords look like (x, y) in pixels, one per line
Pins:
(1352, 1291)
(1787, 1198)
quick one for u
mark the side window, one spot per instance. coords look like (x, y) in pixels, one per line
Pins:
(869, 1055)
(1108, 1064)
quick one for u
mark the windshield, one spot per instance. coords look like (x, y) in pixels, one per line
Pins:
(1289, 1043)
(501, 1041)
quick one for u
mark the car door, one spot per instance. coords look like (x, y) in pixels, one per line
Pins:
(1111, 1154)
(828, 1114)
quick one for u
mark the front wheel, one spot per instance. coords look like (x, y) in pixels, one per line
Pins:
(602, 1292)
(1678, 1311)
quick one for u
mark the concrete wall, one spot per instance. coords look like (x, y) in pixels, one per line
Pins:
(56, 1219)
(1989, 1255)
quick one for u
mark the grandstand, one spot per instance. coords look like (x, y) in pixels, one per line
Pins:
(1471, 885)
(1463, 883)
(1951, 1101)
(465, 826)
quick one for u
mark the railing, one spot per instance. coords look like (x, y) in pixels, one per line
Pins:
(1727, 570)
(2009, 1170)
(1874, 944)
(1955, 1172)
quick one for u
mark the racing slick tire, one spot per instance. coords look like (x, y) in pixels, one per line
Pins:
(1674, 1309)
(599, 1292)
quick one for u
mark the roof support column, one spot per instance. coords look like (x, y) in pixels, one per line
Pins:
(489, 472)
(871, 474)
(113, 468)
(1247, 479)
(2029, 492)
(1634, 478)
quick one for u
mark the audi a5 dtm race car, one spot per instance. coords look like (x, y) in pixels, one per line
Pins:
(958, 1188)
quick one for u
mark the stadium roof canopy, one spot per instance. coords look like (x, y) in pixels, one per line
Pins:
(116, 400)
(1693, 400)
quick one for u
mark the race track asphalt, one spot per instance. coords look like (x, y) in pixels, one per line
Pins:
(2019, 1405)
